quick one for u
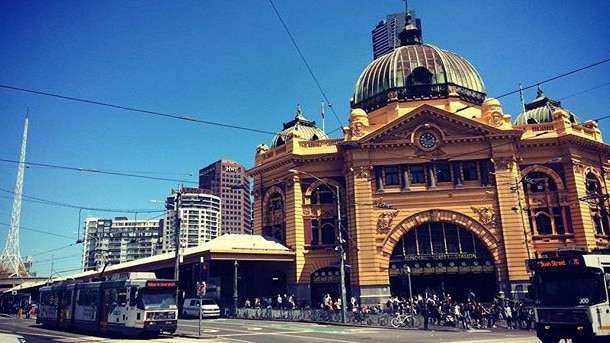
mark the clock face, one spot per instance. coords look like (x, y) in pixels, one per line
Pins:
(427, 140)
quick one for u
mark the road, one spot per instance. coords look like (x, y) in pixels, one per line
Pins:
(249, 331)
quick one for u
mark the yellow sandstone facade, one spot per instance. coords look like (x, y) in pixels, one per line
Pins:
(438, 188)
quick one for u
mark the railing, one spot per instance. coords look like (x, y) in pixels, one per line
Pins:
(312, 315)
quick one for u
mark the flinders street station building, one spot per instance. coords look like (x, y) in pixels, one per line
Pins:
(431, 186)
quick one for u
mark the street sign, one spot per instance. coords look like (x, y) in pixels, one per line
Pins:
(201, 288)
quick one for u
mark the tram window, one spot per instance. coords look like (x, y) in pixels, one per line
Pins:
(122, 297)
(133, 291)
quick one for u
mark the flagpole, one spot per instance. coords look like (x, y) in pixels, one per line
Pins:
(322, 113)
(521, 95)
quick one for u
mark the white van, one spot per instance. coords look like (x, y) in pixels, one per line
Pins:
(209, 308)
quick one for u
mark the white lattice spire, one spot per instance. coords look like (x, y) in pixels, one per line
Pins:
(11, 261)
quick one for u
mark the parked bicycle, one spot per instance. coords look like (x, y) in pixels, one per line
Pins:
(384, 319)
(405, 320)
(359, 318)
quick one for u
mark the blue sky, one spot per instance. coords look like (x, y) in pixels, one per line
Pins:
(233, 64)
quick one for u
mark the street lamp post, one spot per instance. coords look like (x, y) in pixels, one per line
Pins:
(409, 278)
(235, 292)
(340, 241)
(177, 244)
(521, 209)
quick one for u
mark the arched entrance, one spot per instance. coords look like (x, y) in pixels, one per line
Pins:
(325, 281)
(442, 257)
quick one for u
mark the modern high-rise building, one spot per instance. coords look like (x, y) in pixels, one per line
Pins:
(385, 34)
(228, 180)
(118, 240)
(198, 211)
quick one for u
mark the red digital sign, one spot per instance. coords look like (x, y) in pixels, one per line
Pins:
(556, 263)
(154, 284)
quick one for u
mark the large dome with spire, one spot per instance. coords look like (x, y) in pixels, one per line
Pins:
(416, 71)
(298, 127)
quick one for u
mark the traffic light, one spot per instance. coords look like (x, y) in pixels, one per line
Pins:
(205, 271)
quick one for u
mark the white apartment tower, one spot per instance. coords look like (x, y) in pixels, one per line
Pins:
(196, 212)
(118, 240)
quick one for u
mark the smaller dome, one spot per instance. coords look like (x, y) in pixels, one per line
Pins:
(298, 127)
(541, 111)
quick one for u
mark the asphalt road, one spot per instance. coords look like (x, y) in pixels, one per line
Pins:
(252, 331)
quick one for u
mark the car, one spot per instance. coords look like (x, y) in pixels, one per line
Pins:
(11, 338)
(209, 308)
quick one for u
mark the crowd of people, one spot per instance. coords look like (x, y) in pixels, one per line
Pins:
(444, 310)
(282, 301)
(434, 308)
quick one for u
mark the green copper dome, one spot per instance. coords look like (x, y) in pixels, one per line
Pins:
(415, 72)
(298, 127)
(541, 111)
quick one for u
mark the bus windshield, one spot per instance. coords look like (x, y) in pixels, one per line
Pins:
(157, 298)
(585, 287)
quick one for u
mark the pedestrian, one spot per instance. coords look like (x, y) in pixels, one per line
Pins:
(508, 315)
(279, 302)
(425, 312)
(471, 296)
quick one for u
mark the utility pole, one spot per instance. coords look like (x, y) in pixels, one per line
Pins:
(177, 243)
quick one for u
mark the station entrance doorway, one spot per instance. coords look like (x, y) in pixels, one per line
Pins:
(442, 258)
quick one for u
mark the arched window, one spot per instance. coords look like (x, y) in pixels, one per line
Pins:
(598, 204)
(543, 222)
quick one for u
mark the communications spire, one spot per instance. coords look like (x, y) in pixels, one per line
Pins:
(11, 263)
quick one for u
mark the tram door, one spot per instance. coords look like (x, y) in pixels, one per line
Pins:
(105, 303)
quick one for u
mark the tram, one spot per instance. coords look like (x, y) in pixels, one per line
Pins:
(129, 304)
(570, 289)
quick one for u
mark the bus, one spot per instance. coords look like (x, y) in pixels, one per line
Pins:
(129, 304)
(570, 292)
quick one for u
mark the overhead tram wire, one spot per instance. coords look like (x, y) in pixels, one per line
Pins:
(98, 171)
(195, 120)
(133, 109)
(311, 73)
(545, 81)
(39, 231)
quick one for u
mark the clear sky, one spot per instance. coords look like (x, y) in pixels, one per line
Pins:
(232, 66)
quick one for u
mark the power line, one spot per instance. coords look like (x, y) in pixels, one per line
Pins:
(545, 81)
(311, 73)
(98, 209)
(40, 231)
(98, 171)
(133, 109)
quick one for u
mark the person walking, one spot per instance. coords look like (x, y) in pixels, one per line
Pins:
(424, 310)
(508, 315)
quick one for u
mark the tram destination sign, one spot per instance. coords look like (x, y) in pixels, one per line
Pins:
(556, 263)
